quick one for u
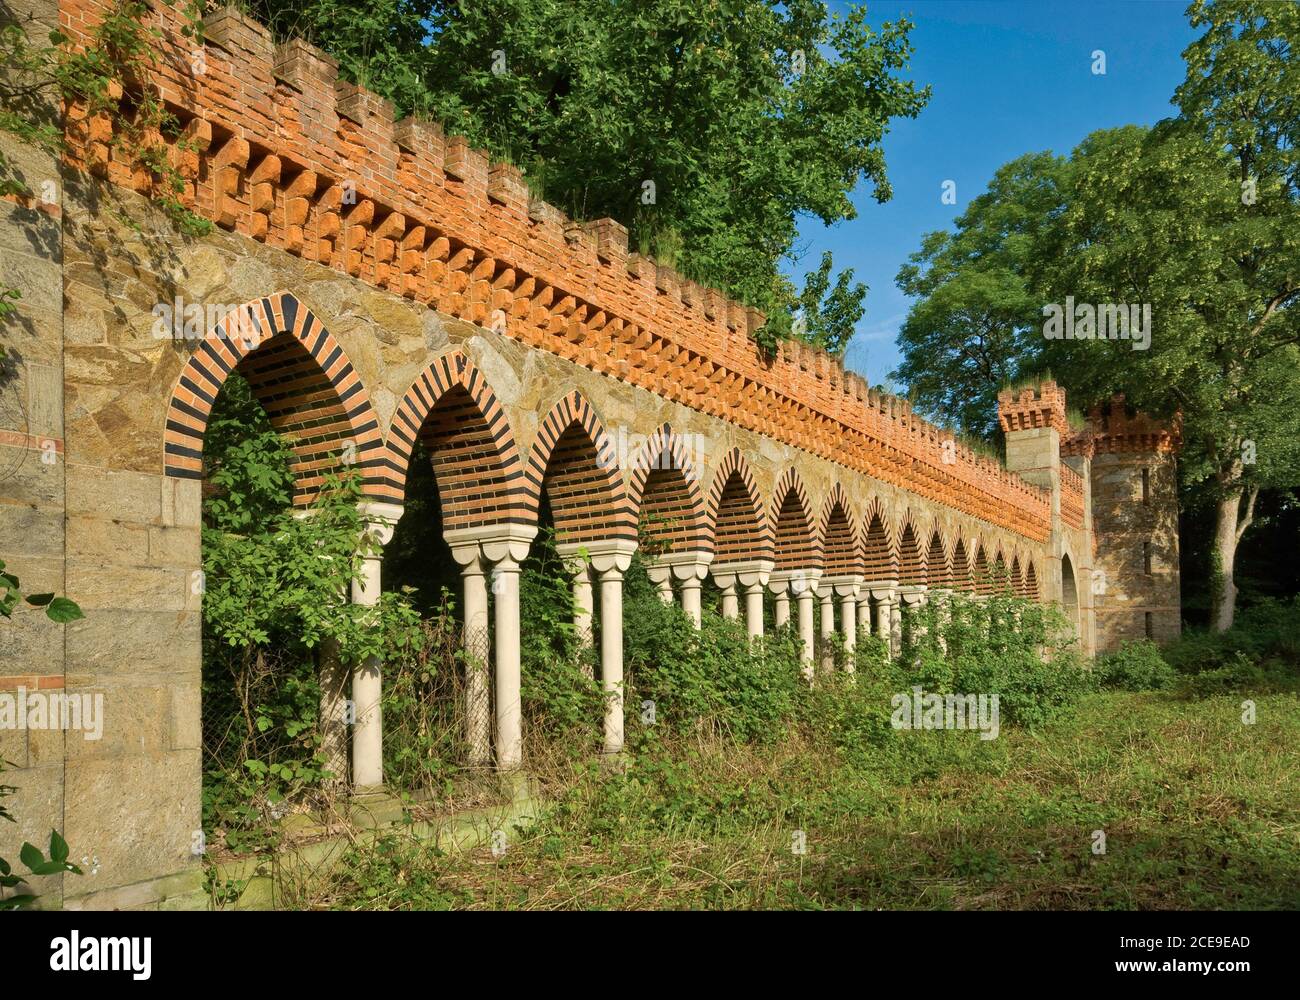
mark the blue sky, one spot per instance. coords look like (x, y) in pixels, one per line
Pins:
(1008, 76)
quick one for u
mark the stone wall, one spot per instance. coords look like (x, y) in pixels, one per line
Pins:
(113, 519)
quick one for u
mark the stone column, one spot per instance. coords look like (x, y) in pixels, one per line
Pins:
(730, 605)
(367, 683)
(689, 569)
(502, 547)
(895, 628)
(849, 616)
(883, 597)
(781, 606)
(333, 712)
(584, 606)
(912, 597)
(804, 596)
(754, 608)
(828, 626)
(751, 577)
(691, 603)
(478, 650)
(864, 613)
(610, 560)
(611, 655)
(510, 723)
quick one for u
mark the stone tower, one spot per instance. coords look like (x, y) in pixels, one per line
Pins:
(1135, 522)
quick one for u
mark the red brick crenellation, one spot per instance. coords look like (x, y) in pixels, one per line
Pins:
(1112, 430)
(293, 157)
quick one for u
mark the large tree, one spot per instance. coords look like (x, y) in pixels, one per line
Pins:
(705, 126)
(1199, 218)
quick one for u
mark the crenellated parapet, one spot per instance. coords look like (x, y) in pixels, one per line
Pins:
(287, 154)
(1113, 430)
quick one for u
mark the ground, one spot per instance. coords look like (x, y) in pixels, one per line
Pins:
(1199, 810)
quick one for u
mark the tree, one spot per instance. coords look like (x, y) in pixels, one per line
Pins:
(1157, 218)
(1198, 218)
(819, 315)
(975, 326)
(706, 128)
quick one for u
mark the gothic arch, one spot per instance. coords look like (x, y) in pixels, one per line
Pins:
(454, 412)
(841, 542)
(302, 378)
(741, 532)
(665, 493)
(798, 543)
(572, 461)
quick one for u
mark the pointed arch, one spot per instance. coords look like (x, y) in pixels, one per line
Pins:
(302, 378)
(938, 571)
(741, 532)
(665, 494)
(842, 545)
(879, 557)
(1017, 578)
(1000, 576)
(982, 570)
(798, 543)
(911, 570)
(453, 411)
(1031, 583)
(572, 461)
(962, 575)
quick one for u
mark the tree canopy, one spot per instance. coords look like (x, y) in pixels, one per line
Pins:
(707, 128)
(1197, 219)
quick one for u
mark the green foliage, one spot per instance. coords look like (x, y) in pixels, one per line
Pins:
(558, 688)
(743, 114)
(32, 858)
(60, 610)
(275, 588)
(1135, 666)
(1197, 218)
(1269, 630)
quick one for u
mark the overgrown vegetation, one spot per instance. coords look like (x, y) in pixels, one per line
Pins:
(706, 129)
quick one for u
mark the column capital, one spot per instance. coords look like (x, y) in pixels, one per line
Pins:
(684, 566)
(603, 555)
(845, 585)
(380, 519)
(882, 590)
(746, 573)
(493, 542)
(912, 594)
(796, 581)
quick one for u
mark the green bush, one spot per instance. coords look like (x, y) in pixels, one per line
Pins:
(1135, 666)
(1267, 629)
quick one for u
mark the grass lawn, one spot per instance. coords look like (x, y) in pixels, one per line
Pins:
(1198, 810)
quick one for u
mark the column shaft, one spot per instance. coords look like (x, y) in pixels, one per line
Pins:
(611, 656)
(367, 690)
(478, 650)
(509, 710)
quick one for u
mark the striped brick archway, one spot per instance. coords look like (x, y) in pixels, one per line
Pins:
(798, 543)
(881, 557)
(840, 537)
(303, 380)
(665, 493)
(742, 532)
(573, 462)
(452, 410)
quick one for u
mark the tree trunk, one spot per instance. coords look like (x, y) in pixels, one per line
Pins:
(1230, 524)
(1225, 552)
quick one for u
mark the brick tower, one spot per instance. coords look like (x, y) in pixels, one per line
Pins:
(1135, 523)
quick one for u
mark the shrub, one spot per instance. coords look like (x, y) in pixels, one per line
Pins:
(1135, 666)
